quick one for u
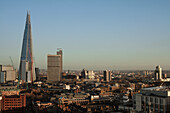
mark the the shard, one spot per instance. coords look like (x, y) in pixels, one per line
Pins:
(27, 69)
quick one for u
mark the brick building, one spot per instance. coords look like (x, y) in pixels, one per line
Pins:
(15, 103)
(11, 100)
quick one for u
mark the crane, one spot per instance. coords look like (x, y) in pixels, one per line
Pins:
(12, 62)
(13, 66)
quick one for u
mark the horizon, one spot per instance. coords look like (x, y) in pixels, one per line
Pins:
(96, 35)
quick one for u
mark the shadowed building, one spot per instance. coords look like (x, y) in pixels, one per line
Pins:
(60, 52)
(27, 69)
(107, 75)
(84, 74)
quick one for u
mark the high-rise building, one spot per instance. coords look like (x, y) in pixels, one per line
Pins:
(60, 52)
(54, 68)
(158, 73)
(84, 74)
(27, 69)
(159, 76)
(107, 75)
(37, 72)
(7, 73)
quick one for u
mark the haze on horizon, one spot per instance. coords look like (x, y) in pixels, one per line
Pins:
(112, 34)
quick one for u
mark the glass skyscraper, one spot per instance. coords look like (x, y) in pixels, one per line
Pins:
(27, 69)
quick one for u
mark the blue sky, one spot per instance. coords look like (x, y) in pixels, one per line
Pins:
(94, 34)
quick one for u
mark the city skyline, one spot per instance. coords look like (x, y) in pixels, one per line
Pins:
(94, 35)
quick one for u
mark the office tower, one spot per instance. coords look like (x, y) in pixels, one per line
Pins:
(27, 69)
(158, 73)
(37, 72)
(60, 52)
(84, 74)
(2, 77)
(7, 73)
(107, 75)
(54, 68)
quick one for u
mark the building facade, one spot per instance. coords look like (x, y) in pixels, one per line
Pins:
(13, 102)
(152, 100)
(60, 52)
(27, 69)
(84, 73)
(158, 73)
(54, 68)
(7, 73)
(159, 76)
(107, 75)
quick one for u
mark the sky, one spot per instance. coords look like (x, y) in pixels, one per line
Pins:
(94, 34)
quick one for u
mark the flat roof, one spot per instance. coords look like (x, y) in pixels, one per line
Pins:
(54, 55)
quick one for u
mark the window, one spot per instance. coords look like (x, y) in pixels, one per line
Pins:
(146, 99)
(161, 106)
(156, 106)
(151, 99)
(156, 100)
(134, 102)
(134, 106)
(161, 101)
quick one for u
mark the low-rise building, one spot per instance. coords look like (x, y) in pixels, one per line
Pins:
(153, 99)
(13, 102)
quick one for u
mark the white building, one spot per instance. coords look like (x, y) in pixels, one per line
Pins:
(66, 87)
(91, 74)
(154, 99)
(158, 75)
(7, 73)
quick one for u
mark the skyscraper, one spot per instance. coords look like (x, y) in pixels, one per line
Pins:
(53, 68)
(158, 73)
(84, 74)
(107, 75)
(60, 52)
(27, 69)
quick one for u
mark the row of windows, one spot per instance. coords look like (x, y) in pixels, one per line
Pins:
(14, 105)
(12, 100)
(151, 99)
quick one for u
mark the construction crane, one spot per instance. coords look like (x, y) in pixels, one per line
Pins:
(12, 62)
(13, 66)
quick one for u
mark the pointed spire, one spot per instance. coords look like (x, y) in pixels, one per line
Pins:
(28, 17)
(27, 54)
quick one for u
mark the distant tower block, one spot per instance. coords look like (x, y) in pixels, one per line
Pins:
(53, 68)
(27, 69)
(60, 52)
(107, 75)
(158, 73)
